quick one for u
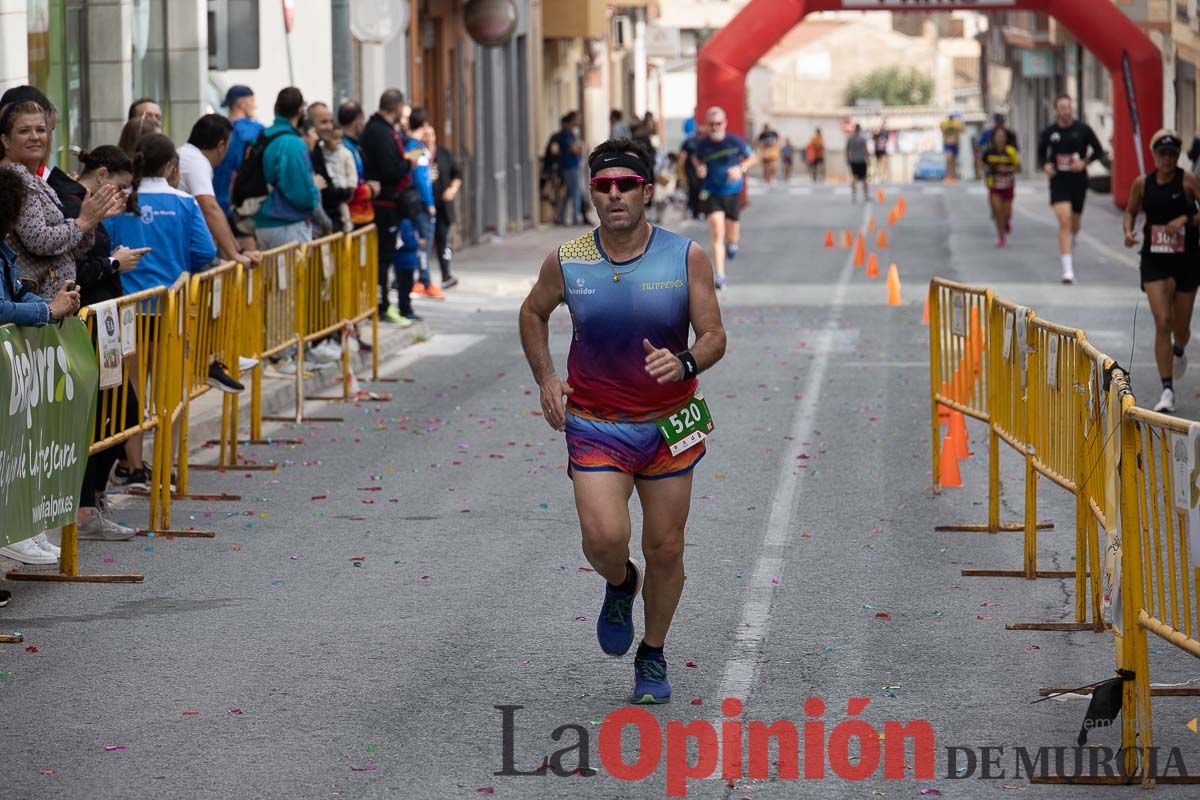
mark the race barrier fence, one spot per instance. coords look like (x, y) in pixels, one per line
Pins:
(167, 338)
(1133, 474)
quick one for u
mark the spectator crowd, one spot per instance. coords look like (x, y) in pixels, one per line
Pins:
(139, 214)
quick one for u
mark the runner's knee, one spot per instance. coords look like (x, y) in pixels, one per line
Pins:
(667, 551)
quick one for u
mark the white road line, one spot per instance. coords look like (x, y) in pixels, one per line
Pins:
(1086, 238)
(755, 621)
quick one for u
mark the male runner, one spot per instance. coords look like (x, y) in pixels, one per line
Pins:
(1066, 148)
(722, 160)
(856, 159)
(880, 140)
(632, 290)
(952, 128)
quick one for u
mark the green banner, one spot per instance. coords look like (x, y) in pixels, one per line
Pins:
(49, 378)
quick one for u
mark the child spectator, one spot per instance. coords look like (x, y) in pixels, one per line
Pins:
(408, 248)
(342, 170)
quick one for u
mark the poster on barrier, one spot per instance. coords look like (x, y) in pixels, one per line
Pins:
(1192, 492)
(108, 343)
(49, 375)
(1052, 363)
(128, 331)
(281, 273)
(958, 316)
(216, 297)
(326, 263)
(1110, 429)
(1008, 334)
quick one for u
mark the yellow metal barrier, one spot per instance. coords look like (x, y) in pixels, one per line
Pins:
(361, 278)
(965, 329)
(212, 334)
(274, 320)
(131, 408)
(173, 399)
(1160, 561)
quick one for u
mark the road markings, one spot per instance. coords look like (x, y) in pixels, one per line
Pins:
(755, 622)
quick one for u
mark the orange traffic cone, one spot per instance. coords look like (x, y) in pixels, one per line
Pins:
(880, 196)
(847, 239)
(860, 251)
(893, 285)
(829, 239)
(881, 241)
(925, 312)
(949, 479)
(958, 435)
(871, 225)
(872, 267)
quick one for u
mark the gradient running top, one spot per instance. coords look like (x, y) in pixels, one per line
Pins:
(606, 365)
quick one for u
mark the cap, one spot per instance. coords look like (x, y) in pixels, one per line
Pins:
(235, 93)
(999, 116)
(1166, 140)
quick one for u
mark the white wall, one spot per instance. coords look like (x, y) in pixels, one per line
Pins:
(312, 59)
(14, 51)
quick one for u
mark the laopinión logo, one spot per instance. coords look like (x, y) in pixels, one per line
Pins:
(853, 750)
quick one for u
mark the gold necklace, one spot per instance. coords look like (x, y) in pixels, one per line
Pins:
(617, 275)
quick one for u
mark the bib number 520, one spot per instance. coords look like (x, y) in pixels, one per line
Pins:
(687, 427)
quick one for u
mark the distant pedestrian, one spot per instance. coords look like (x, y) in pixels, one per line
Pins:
(856, 158)
(569, 151)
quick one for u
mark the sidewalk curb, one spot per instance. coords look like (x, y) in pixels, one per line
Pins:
(278, 394)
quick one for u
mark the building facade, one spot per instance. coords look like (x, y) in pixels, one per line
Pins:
(94, 57)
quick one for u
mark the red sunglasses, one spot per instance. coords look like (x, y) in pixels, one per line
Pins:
(624, 183)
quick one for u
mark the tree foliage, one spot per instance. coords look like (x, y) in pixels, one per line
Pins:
(894, 86)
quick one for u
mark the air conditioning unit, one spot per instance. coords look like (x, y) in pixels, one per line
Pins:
(622, 32)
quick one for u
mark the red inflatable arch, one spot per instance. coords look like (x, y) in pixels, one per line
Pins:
(1097, 24)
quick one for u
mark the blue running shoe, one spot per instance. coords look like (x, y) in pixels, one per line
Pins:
(614, 627)
(650, 684)
(720, 281)
(731, 250)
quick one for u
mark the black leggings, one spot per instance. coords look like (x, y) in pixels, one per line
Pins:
(95, 475)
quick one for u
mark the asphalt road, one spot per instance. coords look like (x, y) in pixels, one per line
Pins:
(366, 607)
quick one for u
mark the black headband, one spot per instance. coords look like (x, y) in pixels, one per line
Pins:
(609, 160)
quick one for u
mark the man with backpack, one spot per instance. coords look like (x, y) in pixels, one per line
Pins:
(382, 149)
(275, 184)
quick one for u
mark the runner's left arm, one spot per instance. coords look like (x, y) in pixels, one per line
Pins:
(704, 310)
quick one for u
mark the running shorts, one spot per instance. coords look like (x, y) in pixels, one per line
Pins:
(634, 448)
(1183, 270)
(859, 170)
(952, 149)
(1069, 189)
(1004, 194)
(729, 204)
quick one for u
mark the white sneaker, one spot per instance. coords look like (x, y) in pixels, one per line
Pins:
(1068, 276)
(30, 552)
(101, 526)
(286, 367)
(245, 364)
(1179, 366)
(44, 542)
(326, 352)
(1166, 402)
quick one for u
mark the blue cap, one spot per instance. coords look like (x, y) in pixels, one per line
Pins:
(235, 93)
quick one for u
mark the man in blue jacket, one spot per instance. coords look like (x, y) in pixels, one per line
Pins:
(241, 104)
(287, 166)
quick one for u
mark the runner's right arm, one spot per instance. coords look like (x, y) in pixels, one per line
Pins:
(534, 322)
(1046, 156)
(1132, 209)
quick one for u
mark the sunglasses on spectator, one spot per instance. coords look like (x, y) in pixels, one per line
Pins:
(624, 183)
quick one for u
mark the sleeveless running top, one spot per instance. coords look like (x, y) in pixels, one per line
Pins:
(606, 365)
(1161, 204)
